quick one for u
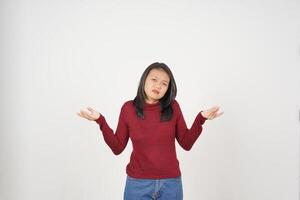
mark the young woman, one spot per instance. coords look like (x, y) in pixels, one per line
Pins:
(153, 120)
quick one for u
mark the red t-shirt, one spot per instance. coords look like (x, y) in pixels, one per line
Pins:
(153, 142)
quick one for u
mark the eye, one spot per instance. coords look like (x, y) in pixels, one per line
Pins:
(153, 79)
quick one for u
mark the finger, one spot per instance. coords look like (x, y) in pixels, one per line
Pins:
(210, 115)
(85, 114)
(219, 114)
(216, 112)
(213, 114)
(212, 111)
(90, 109)
(215, 108)
(82, 115)
(82, 112)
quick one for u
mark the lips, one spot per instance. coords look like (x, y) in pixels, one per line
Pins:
(155, 91)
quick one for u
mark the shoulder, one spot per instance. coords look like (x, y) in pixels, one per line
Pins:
(128, 104)
(175, 106)
(175, 103)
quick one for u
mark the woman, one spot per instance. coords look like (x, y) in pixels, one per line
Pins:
(153, 120)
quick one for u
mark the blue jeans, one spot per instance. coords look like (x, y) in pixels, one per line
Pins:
(152, 189)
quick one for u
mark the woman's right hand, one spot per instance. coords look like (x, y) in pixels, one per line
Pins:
(91, 114)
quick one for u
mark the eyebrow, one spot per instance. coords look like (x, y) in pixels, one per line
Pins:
(163, 80)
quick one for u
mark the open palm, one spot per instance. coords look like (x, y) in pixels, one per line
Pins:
(91, 114)
(212, 113)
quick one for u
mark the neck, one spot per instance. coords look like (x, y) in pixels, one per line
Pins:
(151, 101)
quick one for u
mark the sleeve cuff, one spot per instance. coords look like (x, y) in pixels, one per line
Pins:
(201, 118)
(100, 120)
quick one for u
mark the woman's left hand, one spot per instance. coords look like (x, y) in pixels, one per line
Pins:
(212, 113)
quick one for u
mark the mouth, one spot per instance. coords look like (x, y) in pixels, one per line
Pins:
(155, 91)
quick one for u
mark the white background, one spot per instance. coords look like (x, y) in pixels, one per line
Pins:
(58, 57)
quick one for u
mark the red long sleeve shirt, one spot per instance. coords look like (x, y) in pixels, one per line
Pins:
(153, 154)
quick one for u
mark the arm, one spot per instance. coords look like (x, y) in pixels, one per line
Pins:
(184, 136)
(118, 141)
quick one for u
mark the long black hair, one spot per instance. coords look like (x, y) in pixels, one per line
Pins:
(165, 102)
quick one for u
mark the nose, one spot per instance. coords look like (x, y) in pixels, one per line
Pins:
(158, 87)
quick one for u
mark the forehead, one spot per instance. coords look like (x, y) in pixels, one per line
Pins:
(159, 73)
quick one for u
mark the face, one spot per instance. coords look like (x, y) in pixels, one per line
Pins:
(156, 85)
